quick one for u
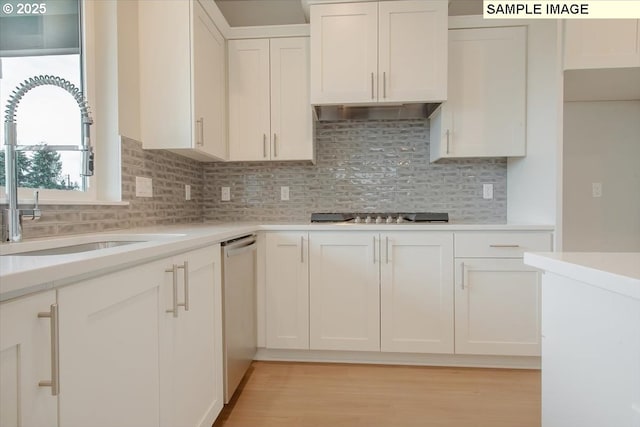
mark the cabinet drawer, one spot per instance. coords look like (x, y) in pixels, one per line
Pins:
(500, 244)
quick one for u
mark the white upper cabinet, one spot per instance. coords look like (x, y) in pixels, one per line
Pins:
(386, 52)
(269, 110)
(249, 109)
(182, 80)
(601, 43)
(412, 51)
(485, 113)
(291, 116)
(344, 53)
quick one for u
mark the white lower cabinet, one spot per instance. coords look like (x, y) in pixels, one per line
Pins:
(404, 291)
(191, 388)
(498, 298)
(416, 295)
(497, 307)
(109, 344)
(122, 359)
(381, 291)
(25, 361)
(344, 291)
(287, 290)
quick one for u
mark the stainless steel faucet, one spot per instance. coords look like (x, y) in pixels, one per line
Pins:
(12, 216)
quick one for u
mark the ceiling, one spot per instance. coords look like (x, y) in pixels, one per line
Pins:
(249, 13)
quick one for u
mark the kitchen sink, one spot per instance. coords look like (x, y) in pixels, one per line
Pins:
(78, 244)
(74, 249)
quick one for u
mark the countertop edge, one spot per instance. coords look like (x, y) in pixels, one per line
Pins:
(611, 272)
(18, 278)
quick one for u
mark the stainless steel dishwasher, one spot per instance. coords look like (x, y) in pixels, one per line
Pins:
(239, 309)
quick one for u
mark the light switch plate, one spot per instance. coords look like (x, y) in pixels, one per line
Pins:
(225, 194)
(144, 187)
(487, 191)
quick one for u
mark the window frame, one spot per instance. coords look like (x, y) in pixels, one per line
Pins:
(88, 53)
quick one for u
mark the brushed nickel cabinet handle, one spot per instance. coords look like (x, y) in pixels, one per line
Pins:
(185, 271)
(174, 271)
(462, 275)
(264, 145)
(387, 248)
(374, 249)
(54, 383)
(200, 139)
(372, 95)
(384, 84)
(504, 246)
(448, 141)
(302, 249)
(275, 145)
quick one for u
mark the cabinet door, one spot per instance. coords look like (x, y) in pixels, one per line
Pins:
(485, 112)
(601, 43)
(416, 292)
(249, 105)
(412, 51)
(287, 290)
(109, 342)
(291, 136)
(497, 306)
(344, 53)
(208, 85)
(166, 115)
(25, 360)
(191, 351)
(344, 291)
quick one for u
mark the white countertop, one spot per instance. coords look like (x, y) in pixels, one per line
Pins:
(616, 272)
(21, 275)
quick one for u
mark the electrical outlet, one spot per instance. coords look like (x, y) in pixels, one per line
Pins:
(284, 193)
(225, 194)
(187, 192)
(487, 191)
(596, 189)
(144, 187)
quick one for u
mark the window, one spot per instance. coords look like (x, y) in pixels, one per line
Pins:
(44, 43)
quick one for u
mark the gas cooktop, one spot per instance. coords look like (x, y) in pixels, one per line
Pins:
(380, 218)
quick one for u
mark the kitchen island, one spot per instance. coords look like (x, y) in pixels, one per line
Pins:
(590, 338)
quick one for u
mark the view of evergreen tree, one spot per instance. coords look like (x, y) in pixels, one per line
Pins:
(24, 166)
(39, 169)
(45, 171)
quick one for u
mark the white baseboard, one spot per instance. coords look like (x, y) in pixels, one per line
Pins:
(455, 360)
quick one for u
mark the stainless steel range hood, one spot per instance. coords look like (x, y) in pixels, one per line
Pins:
(326, 113)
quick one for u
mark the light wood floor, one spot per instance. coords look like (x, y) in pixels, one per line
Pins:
(337, 395)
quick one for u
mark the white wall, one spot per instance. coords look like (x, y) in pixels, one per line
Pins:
(532, 183)
(601, 144)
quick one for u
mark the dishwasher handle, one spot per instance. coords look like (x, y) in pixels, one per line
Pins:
(239, 246)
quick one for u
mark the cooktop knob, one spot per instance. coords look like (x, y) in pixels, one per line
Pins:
(379, 220)
(368, 219)
(358, 220)
(400, 219)
(390, 219)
